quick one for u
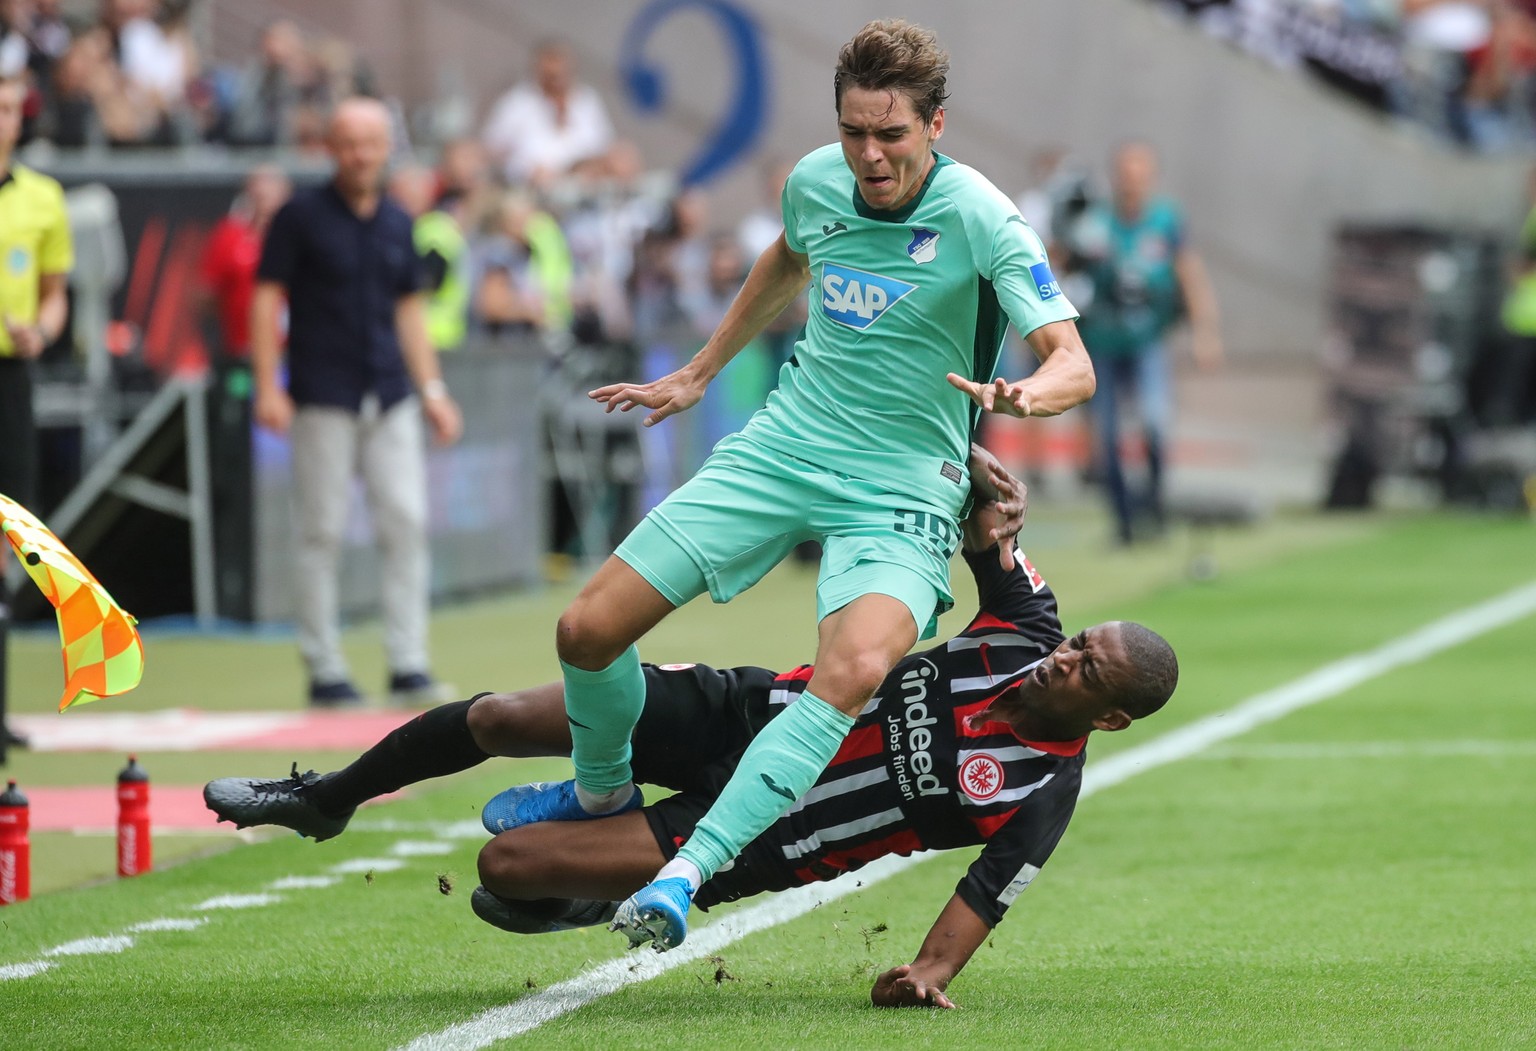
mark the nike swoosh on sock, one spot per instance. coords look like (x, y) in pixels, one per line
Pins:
(776, 788)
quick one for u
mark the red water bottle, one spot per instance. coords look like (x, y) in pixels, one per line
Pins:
(15, 851)
(133, 850)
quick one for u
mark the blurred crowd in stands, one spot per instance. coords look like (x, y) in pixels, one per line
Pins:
(1464, 68)
(132, 75)
(547, 223)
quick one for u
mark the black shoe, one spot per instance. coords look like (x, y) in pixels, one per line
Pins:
(539, 917)
(417, 689)
(248, 801)
(11, 739)
(334, 695)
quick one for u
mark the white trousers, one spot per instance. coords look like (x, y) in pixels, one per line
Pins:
(330, 447)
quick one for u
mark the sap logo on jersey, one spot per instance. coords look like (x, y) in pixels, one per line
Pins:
(857, 298)
(1045, 281)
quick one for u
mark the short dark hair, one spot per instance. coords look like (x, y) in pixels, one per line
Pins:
(895, 56)
(1155, 670)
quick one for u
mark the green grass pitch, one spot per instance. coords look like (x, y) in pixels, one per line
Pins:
(1357, 874)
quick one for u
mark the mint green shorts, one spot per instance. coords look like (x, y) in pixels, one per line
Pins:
(747, 508)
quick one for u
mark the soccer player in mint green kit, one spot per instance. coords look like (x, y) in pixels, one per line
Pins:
(916, 264)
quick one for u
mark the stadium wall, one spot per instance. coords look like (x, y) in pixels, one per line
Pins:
(1266, 161)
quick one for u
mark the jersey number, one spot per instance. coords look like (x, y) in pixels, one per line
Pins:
(937, 530)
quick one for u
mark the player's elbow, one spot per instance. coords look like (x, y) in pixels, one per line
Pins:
(1088, 381)
(587, 637)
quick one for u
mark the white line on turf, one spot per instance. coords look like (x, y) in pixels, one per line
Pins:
(419, 848)
(1331, 750)
(168, 924)
(91, 946)
(238, 901)
(303, 882)
(534, 1010)
(355, 865)
(24, 970)
(529, 1012)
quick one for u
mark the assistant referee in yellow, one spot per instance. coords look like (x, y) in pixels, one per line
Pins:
(35, 259)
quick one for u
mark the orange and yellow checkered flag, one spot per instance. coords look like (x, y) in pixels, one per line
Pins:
(103, 654)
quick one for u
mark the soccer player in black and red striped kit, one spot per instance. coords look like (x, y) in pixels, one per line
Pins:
(979, 740)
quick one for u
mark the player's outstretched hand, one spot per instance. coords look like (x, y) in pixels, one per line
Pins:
(668, 396)
(999, 396)
(1001, 502)
(899, 987)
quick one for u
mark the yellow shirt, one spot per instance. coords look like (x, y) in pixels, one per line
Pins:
(34, 240)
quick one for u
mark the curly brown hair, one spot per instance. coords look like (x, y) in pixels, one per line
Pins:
(895, 55)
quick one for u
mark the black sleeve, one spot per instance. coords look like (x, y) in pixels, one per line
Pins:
(434, 270)
(1021, 596)
(282, 247)
(1017, 851)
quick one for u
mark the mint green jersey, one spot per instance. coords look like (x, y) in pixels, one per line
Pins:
(898, 300)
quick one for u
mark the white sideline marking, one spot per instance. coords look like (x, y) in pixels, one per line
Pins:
(238, 901)
(529, 1012)
(91, 946)
(303, 882)
(168, 730)
(168, 924)
(535, 1009)
(1294, 750)
(1328, 681)
(347, 868)
(23, 970)
(420, 848)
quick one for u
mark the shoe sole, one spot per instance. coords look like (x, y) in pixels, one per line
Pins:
(649, 925)
(231, 810)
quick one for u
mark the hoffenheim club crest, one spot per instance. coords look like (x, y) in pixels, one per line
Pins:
(924, 246)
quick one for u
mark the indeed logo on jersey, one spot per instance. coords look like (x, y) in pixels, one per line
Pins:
(1045, 281)
(909, 736)
(857, 298)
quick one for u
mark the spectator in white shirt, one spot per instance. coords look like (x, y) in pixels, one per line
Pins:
(540, 131)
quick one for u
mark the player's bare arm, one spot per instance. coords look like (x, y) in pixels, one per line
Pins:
(1200, 300)
(30, 340)
(1063, 380)
(273, 406)
(778, 276)
(421, 361)
(951, 942)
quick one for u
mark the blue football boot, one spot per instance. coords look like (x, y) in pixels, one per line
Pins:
(542, 801)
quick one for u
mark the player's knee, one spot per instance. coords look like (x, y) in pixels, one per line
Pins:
(493, 722)
(851, 682)
(584, 639)
(506, 867)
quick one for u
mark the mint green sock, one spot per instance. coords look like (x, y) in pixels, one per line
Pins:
(603, 707)
(780, 766)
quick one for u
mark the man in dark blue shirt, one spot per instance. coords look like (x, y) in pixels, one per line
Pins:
(358, 357)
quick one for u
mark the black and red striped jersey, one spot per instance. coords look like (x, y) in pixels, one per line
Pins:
(912, 775)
